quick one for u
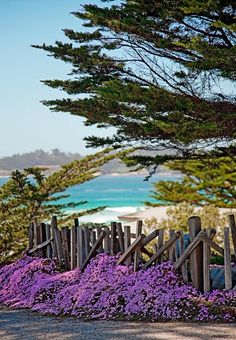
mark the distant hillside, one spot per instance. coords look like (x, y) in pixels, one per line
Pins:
(37, 158)
(54, 159)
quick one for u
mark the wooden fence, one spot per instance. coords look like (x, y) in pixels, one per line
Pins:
(76, 246)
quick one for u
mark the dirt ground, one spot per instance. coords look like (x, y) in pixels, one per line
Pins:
(24, 324)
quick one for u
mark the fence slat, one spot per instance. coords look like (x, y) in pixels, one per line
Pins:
(73, 247)
(64, 238)
(136, 244)
(53, 243)
(150, 237)
(160, 251)
(146, 252)
(39, 247)
(172, 248)
(93, 249)
(181, 251)
(138, 254)
(212, 244)
(191, 247)
(120, 236)
(40, 240)
(35, 240)
(160, 242)
(147, 240)
(57, 238)
(48, 237)
(31, 235)
(107, 241)
(232, 225)
(99, 231)
(80, 250)
(227, 260)
(196, 257)
(86, 241)
(206, 266)
(93, 236)
(127, 241)
(113, 238)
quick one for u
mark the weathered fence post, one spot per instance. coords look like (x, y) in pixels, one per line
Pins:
(206, 266)
(172, 250)
(196, 257)
(107, 241)
(93, 236)
(40, 234)
(137, 254)
(232, 225)
(86, 241)
(73, 246)
(136, 244)
(65, 245)
(227, 260)
(160, 242)
(99, 231)
(93, 249)
(54, 247)
(35, 240)
(181, 252)
(31, 235)
(113, 238)
(127, 242)
(120, 236)
(48, 237)
(57, 237)
(80, 255)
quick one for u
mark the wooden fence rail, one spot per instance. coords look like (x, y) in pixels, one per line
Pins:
(76, 246)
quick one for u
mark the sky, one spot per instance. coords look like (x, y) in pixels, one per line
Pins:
(25, 124)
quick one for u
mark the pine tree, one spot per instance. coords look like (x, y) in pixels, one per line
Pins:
(205, 182)
(31, 196)
(155, 71)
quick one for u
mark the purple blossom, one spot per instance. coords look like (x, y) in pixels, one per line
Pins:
(108, 291)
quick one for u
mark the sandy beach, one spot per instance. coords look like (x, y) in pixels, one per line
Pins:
(160, 213)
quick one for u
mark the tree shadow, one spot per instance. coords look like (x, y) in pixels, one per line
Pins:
(24, 324)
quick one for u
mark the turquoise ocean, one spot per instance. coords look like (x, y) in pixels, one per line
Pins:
(121, 195)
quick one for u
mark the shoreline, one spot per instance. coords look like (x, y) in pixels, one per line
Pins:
(163, 174)
(160, 213)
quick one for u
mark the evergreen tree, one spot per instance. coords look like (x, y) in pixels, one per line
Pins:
(205, 182)
(31, 196)
(156, 71)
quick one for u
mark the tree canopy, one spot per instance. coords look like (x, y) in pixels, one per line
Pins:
(161, 72)
(30, 196)
(205, 182)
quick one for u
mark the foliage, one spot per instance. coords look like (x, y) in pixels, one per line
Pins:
(107, 291)
(30, 196)
(209, 181)
(156, 71)
(177, 218)
(217, 259)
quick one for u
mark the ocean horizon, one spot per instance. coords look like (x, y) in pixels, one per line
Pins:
(121, 194)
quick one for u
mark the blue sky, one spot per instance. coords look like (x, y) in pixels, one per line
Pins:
(26, 124)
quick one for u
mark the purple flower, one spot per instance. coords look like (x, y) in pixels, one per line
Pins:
(108, 291)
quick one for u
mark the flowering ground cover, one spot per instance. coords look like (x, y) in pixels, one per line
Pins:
(108, 291)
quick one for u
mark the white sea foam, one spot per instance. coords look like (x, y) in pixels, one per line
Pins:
(109, 214)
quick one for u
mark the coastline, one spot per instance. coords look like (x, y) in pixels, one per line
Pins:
(164, 174)
(160, 213)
